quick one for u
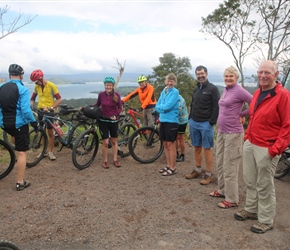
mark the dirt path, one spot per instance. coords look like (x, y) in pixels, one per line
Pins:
(133, 207)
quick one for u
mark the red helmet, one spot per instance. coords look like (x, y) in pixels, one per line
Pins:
(36, 75)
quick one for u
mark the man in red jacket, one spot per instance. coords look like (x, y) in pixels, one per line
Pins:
(267, 136)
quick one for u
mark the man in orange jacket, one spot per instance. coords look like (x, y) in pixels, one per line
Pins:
(147, 98)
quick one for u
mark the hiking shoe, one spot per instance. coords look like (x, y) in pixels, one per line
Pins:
(261, 228)
(180, 158)
(51, 156)
(194, 174)
(22, 186)
(206, 180)
(244, 215)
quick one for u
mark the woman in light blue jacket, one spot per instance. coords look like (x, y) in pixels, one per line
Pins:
(167, 106)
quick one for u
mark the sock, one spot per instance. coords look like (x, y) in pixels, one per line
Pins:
(182, 155)
(198, 169)
(208, 173)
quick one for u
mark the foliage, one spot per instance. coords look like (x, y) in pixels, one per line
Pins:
(180, 66)
(252, 26)
(231, 24)
(274, 37)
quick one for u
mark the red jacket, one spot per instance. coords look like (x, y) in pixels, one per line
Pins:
(269, 124)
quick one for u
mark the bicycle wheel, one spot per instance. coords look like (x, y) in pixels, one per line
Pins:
(124, 133)
(37, 147)
(145, 145)
(85, 149)
(7, 159)
(6, 245)
(9, 139)
(283, 167)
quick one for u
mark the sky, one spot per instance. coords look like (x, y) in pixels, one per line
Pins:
(69, 37)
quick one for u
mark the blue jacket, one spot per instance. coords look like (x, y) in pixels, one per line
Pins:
(14, 105)
(168, 104)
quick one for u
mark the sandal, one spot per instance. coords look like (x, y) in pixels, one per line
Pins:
(105, 164)
(225, 204)
(216, 194)
(117, 164)
(162, 170)
(169, 172)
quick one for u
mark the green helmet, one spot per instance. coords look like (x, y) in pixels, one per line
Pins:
(141, 79)
(109, 79)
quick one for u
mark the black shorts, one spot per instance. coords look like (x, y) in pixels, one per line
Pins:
(108, 129)
(182, 128)
(21, 137)
(168, 131)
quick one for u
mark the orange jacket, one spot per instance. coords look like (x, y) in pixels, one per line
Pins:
(146, 96)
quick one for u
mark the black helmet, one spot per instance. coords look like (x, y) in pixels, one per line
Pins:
(15, 70)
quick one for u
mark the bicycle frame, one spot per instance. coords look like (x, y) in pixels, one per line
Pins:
(134, 115)
(66, 138)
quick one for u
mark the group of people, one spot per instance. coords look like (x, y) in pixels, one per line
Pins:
(16, 113)
(266, 137)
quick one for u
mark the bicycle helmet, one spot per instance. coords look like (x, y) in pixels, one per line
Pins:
(141, 79)
(36, 75)
(15, 70)
(109, 79)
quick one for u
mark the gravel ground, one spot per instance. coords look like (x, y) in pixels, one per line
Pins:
(132, 207)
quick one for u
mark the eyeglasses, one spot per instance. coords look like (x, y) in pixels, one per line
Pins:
(264, 72)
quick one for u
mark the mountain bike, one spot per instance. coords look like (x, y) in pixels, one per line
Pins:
(283, 166)
(144, 144)
(86, 145)
(66, 129)
(6, 245)
(7, 159)
(130, 115)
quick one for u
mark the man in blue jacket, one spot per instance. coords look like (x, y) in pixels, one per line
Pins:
(203, 116)
(15, 115)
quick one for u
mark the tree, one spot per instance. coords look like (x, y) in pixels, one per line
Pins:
(252, 26)
(231, 24)
(180, 66)
(274, 36)
(121, 69)
(12, 25)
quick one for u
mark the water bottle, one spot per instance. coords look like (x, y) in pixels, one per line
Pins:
(139, 122)
(58, 130)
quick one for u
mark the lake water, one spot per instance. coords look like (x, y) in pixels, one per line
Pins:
(77, 91)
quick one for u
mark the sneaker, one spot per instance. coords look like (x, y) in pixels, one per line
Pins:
(244, 215)
(261, 228)
(206, 180)
(180, 158)
(22, 186)
(45, 155)
(194, 174)
(51, 156)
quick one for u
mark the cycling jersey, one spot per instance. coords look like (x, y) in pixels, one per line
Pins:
(46, 94)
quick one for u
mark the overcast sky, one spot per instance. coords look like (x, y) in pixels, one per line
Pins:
(86, 36)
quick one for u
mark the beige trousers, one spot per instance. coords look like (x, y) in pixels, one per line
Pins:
(228, 160)
(259, 169)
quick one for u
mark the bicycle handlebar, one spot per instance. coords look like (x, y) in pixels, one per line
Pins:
(129, 107)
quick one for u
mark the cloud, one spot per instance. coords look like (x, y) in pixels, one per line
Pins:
(70, 37)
